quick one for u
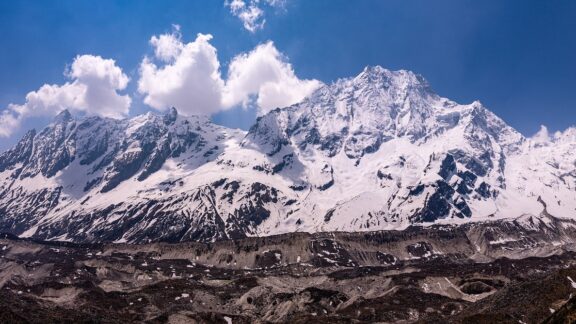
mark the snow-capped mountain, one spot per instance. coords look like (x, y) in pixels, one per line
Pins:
(377, 151)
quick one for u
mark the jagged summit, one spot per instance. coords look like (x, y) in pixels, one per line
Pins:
(63, 116)
(171, 116)
(568, 135)
(376, 151)
(356, 115)
(377, 76)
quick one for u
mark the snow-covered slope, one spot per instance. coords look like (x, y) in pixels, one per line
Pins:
(378, 151)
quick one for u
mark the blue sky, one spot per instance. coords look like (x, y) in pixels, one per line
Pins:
(517, 57)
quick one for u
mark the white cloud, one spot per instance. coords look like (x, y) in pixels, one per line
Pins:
(188, 79)
(542, 137)
(251, 12)
(93, 89)
(265, 73)
(8, 123)
(168, 46)
(183, 75)
(100, 79)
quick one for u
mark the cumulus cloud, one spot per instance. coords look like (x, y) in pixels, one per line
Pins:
(251, 12)
(264, 72)
(187, 76)
(542, 137)
(92, 89)
(100, 79)
(168, 46)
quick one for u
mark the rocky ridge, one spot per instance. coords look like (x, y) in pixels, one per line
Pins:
(378, 151)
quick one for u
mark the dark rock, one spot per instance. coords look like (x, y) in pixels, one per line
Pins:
(448, 167)
(484, 190)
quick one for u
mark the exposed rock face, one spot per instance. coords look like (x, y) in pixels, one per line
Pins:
(374, 152)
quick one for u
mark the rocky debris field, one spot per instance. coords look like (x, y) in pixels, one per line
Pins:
(415, 276)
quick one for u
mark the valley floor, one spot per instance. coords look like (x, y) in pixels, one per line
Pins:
(334, 278)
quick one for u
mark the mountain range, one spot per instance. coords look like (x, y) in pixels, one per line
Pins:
(379, 151)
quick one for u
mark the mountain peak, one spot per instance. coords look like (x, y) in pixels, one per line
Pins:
(63, 116)
(171, 116)
(375, 69)
(400, 78)
(370, 152)
(566, 136)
